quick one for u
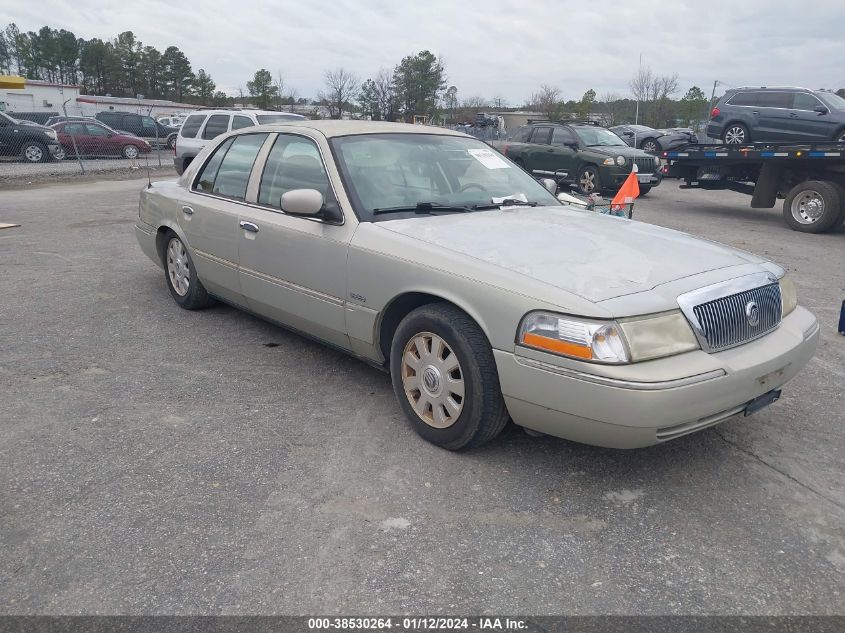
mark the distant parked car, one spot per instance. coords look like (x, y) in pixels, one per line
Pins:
(205, 125)
(33, 143)
(652, 140)
(95, 139)
(782, 115)
(584, 154)
(140, 125)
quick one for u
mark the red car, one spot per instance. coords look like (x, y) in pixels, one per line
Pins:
(95, 139)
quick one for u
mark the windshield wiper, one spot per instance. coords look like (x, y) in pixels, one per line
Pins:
(423, 208)
(507, 202)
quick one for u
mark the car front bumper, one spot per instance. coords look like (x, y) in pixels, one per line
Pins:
(654, 401)
(616, 178)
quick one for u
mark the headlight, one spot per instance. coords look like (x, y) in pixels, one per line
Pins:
(609, 342)
(597, 341)
(658, 336)
(620, 160)
(788, 294)
(52, 134)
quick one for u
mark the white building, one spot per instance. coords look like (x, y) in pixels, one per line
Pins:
(90, 105)
(38, 96)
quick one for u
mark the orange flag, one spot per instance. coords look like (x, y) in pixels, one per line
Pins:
(629, 190)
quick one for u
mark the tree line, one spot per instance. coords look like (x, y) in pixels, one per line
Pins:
(415, 87)
(122, 67)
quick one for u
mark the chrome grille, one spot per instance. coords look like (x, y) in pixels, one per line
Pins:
(725, 322)
(645, 165)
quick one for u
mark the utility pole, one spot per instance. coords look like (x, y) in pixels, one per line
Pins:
(637, 115)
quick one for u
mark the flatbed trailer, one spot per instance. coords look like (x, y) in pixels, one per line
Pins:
(810, 178)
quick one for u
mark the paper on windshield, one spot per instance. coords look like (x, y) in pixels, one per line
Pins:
(488, 158)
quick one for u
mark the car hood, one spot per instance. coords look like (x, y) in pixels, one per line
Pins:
(594, 256)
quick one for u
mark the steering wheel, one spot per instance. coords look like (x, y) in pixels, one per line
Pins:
(472, 185)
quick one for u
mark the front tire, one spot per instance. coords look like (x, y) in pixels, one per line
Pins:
(644, 190)
(813, 206)
(130, 152)
(736, 134)
(589, 180)
(33, 152)
(650, 145)
(182, 281)
(445, 378)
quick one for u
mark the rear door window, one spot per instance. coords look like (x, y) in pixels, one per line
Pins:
(233, 175)
(239, 122)
(217, 124)
(192, 125)
(520, 135)
(205, 181)
(541, 135)
(776, 99)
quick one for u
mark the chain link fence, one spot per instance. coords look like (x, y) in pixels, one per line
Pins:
(50, 146)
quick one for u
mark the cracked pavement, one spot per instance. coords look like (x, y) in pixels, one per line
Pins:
(158, 461)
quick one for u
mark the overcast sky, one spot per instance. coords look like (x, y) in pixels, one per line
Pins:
(491, 48)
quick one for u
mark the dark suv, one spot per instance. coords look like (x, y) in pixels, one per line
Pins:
(581, 153)
(141, 125)
(33, 143)
(782, 115)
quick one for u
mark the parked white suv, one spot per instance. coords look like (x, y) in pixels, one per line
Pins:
(202, 126)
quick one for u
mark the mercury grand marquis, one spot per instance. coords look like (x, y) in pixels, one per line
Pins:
(423, 251)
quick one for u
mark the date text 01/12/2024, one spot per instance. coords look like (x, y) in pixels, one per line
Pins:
(416, 624)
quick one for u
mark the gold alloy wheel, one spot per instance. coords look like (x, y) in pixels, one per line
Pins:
(433, 380)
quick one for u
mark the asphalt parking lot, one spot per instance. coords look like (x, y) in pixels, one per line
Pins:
(156, 460)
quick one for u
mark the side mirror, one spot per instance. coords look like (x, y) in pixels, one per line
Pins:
(628, 133)
(307, 202)
(549, 184)
(821, 109)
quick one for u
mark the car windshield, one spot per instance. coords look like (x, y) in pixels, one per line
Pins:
(396, 171)
(597, 136)
(832, 100)
(264, 119)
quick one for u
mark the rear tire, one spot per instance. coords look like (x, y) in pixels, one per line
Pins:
(445, 378)
(736, 134)
(182, 281)
(813, 206)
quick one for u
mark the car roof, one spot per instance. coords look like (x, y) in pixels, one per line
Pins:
(333, 128)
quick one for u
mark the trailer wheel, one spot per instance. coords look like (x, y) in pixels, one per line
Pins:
(813, 206)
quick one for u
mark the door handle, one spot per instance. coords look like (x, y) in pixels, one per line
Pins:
(755, 112)
(187, 210)
(793, 115)
(249, 226)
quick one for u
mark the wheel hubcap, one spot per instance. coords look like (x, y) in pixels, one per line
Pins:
(433, 380)
(808, 208)
(131, 152)
(588, 181)
(177, 267)
(649, 147)
(734, 136)
(34, 153)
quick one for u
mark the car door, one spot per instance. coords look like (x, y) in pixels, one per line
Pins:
(805, 123)
(100, 140)
(211, 211)
(77, 133)
(293, 269)
(536, 161)
(775, 123)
